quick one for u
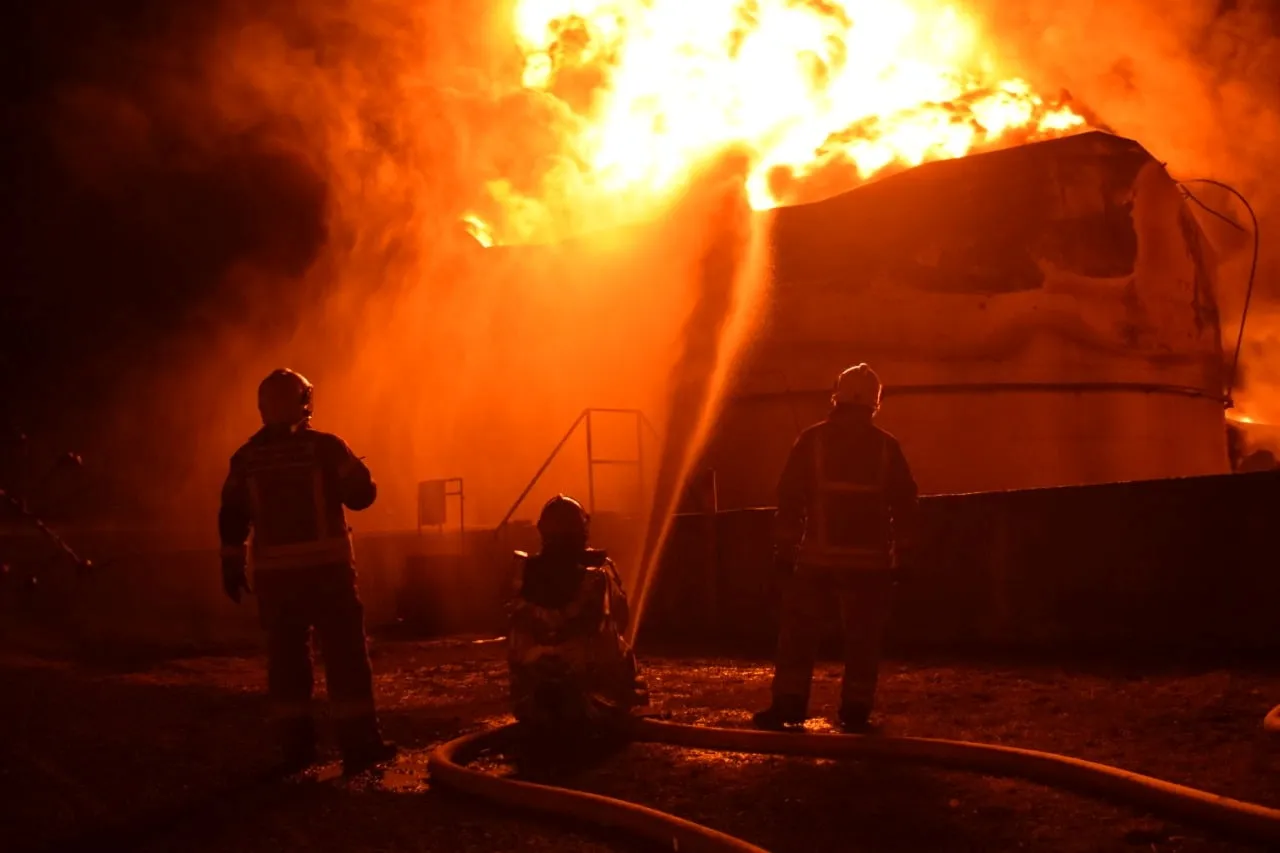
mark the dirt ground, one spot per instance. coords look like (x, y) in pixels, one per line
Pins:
(170, 756)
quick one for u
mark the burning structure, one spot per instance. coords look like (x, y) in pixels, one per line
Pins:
(1039, 299)
(1043, 315)
(818, 96)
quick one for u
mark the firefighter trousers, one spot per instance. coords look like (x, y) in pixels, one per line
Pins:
(292, 602)
(865, 599)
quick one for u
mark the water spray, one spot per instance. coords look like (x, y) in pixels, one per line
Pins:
(730, 278)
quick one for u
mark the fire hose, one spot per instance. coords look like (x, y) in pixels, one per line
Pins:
(1233, 817)
(447, 765)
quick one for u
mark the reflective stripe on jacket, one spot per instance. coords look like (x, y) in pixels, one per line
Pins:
(846, 496)
(834, 535)
(289, 489)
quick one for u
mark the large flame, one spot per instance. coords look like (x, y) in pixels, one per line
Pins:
(823, 94)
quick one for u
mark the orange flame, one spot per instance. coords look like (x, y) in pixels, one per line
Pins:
(823, 94)
(478, 229)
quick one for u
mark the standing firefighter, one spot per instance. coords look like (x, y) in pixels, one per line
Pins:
(571, 666)
(289, 484)
(846, 515)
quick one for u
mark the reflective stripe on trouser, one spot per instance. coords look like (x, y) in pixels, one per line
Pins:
(865, 599)
(287, 711)
(352, 709)
(301, 555)
(846, 559)
(291, 603)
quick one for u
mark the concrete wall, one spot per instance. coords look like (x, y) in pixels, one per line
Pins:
(1173, 564)
(149, 590)
(1185, 564)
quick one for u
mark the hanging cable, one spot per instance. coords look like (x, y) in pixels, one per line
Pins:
(1253, 267)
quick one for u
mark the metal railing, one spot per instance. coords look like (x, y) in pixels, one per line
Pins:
(642, 425)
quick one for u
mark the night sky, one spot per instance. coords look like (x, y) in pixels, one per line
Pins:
(100, 258)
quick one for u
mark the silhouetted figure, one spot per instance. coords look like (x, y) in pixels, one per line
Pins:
(571, 666)
(846, 518)
(288, 485)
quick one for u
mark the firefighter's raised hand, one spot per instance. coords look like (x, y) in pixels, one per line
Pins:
(235, 579)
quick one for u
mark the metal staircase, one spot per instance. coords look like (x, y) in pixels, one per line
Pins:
(586, 420)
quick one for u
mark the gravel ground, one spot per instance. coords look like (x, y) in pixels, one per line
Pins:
(170, 756)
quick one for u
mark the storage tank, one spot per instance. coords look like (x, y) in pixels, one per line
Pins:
(1043, 315)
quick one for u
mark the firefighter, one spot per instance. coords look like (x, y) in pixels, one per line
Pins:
(572, 670)
(288, 485)
(845, 520)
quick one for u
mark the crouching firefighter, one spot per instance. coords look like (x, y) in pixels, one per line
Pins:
(288, 485)
(845, 522)
(572, 670)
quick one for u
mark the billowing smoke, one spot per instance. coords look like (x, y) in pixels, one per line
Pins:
(313, 163)
(291, 178)
(329, 152)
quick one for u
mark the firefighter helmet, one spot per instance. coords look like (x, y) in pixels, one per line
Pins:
(858, 386)
(284, 398)
(564, 522)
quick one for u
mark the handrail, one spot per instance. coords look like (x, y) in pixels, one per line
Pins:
(653, 431)
(584, 415)
(538, 475)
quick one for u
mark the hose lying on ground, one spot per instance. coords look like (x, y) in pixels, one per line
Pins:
(1179, 802)
(447, 766)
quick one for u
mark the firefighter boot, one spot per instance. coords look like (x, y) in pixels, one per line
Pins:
(362, 745)
(785, 711)
(855, 719)
(297, 745)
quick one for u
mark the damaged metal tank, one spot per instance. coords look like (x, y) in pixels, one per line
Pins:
(1041, 316)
